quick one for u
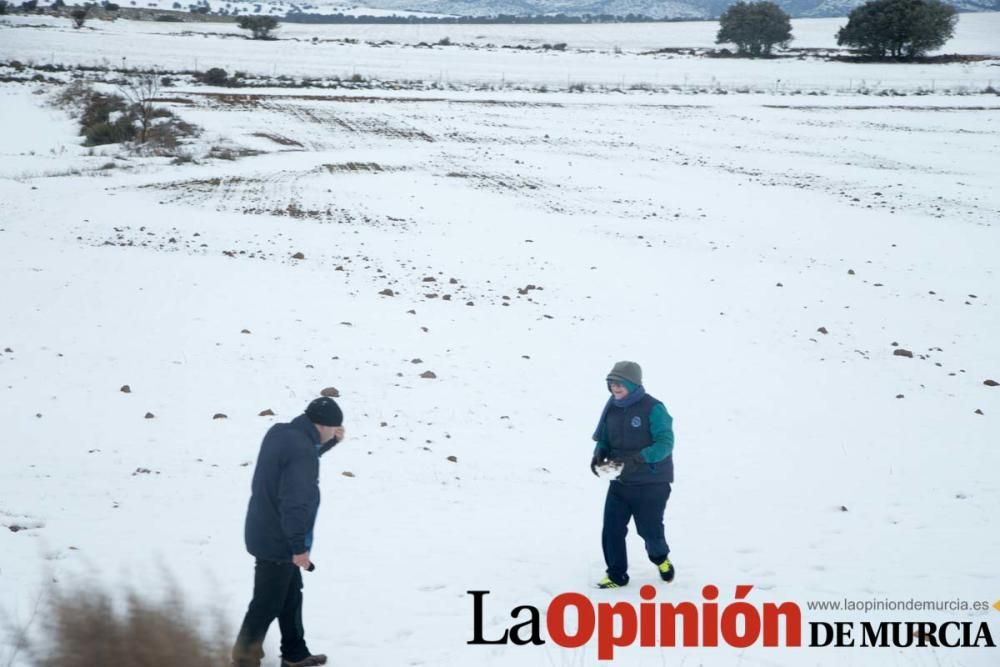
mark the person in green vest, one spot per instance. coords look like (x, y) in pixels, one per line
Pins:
(635, 433)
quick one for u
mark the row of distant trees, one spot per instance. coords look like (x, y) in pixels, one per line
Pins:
(902, 29)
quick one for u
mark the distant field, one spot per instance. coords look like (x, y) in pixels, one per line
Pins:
(609, 55)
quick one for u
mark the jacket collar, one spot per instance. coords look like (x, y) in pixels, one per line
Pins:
(303, 424)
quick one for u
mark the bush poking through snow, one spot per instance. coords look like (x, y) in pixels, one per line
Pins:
(85, 626)
(260, 27)
(215, 76)
(108, 118)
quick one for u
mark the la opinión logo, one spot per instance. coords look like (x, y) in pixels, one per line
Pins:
(572, 620)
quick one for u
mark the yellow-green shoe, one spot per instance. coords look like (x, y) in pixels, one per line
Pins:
(666, 569)
(606, 582)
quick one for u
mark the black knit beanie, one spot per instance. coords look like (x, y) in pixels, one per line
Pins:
(325, 412)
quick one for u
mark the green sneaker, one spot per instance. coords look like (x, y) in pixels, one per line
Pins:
(606, 582)
(666, 569)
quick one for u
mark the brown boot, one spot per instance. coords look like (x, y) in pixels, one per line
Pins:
(310, 661)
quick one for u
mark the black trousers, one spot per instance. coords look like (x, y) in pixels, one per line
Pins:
(277, 593)
(644, 502)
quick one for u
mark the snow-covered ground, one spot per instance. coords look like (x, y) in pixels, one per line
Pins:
(708, 237)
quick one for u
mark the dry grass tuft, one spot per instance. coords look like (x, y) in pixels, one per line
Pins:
(87, 626)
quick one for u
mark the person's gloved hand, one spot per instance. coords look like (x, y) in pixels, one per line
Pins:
(598, 459)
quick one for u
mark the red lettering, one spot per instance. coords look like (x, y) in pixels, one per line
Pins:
(793, 623)
(710, 617)
(607, 640)
(555, 620)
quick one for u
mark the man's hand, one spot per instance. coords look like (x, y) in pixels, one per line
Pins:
(302, 560)
(596, 461)
(338, 433)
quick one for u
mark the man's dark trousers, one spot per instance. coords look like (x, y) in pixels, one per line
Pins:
(645, 502)
(277, 593)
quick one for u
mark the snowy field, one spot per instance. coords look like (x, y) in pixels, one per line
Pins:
(530, 241)
(590, 58)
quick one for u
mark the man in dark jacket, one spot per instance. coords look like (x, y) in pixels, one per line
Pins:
(635, 433)
(283, 504)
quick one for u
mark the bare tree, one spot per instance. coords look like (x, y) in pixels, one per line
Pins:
(139, 90)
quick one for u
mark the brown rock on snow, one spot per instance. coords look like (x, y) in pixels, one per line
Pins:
(453, 459)
(245, 331)
(331, 392)
(901, 352)
(266, 413)
(347, 473)
(991, 383)
(387, 292)
(219, 415)
(150, 415)
(978, 411)
(428, 375)
(125, 389)
(822, 330)
(298, 255)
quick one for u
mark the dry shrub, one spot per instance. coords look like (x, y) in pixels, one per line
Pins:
(86, 627)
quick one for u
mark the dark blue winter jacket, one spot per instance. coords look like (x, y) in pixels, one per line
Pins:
(285, 491)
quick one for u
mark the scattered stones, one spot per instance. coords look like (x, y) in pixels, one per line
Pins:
(453, 459)
(850, 272)
(902, 352)
(14, 528)
(387, 292)
(219, 415)
(298, 255)
(822, 330)
(899, 396)
(150, 415)
(453, 281)
(843, 508)
(141, 471)
(978, 411)
(266, 413)
(991, 383)
(125, 389)
(428, 375)
(430, 279)
(778, 285)
(331, 392)
(416, 360)
(245, 331)
(347, 473)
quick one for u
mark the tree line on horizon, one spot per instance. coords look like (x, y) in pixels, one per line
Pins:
(897, 29)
